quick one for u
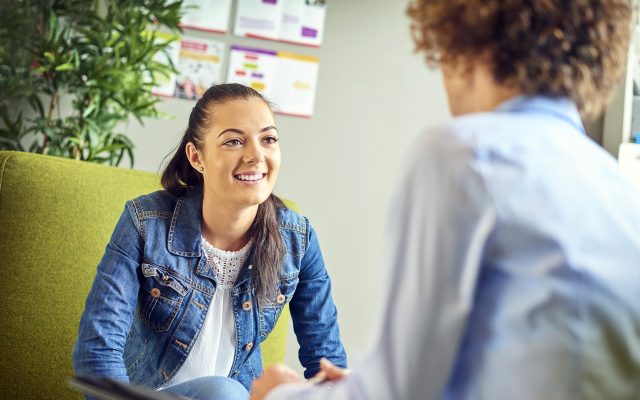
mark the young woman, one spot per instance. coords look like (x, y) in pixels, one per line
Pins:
(515, 246)
(196, 275)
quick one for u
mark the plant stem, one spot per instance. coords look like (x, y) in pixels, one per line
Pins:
(52, 107)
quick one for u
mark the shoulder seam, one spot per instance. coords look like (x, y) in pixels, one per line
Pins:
(139, 219)
(300, 225)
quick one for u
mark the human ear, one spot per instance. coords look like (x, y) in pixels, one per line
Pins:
(193, 155)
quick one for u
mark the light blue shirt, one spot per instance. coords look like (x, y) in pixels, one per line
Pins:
(514, 267)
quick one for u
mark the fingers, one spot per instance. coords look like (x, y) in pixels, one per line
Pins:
(282, 373)
(318, 378)
(332, 372)
(272, 377)
(288, 373)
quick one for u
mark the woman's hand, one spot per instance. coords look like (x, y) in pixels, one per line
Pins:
(272, 377)
(329, 372)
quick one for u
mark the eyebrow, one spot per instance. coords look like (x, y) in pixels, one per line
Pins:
(241, 132)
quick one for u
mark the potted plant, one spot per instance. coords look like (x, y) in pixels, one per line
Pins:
(73, 71)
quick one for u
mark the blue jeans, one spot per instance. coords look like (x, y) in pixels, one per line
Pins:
(210, 388)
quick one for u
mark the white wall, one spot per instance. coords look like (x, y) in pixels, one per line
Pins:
(341, 166)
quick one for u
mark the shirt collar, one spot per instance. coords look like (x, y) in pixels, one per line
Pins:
(560, 107)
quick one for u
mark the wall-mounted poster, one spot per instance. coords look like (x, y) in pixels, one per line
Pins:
(199, 67)
(206, 15)
(303, 21)
(288, 80)
(291, 21)
(166, 84)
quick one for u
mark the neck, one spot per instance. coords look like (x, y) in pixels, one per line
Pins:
(491, 95)
(474, 89)
(226, 228)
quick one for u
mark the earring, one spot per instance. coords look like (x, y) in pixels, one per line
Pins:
(201, 168)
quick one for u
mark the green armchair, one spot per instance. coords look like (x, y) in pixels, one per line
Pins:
(56, 217)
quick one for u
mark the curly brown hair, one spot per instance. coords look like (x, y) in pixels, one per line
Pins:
(557, 48)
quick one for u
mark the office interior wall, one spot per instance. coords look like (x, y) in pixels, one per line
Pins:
(342, 165)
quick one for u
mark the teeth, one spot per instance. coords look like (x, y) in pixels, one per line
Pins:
(250, 177)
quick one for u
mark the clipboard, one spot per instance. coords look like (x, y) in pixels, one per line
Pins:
(109, 389)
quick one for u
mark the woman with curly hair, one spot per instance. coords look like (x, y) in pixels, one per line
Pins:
(515, 240)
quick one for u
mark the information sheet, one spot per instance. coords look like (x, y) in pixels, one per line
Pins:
(291, 21)
(199, 67)
(288, 80)
(166, 84)
(207, 15)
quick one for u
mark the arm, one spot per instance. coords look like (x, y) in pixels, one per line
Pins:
(109, 308)
(442, 219)
(315, 318)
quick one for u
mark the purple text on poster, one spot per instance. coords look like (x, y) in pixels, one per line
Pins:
(309, 32)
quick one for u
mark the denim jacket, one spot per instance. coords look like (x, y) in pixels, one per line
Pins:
(153, 288)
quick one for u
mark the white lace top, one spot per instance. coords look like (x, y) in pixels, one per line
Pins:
(214, 349)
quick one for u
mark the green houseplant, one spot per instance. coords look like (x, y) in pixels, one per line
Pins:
(72, 71)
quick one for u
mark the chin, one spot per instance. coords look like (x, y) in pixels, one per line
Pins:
(255, 201)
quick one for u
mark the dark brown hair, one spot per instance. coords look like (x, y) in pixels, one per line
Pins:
(557, 48)
(179, 177)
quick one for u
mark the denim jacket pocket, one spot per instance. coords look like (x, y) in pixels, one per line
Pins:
(270, 313)
(161, 296)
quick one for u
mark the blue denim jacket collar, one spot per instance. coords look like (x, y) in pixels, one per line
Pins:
(186, 230)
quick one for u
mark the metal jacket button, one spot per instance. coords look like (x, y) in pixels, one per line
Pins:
(155, 293)
(280, 299)
(249, 346)
(246, 305)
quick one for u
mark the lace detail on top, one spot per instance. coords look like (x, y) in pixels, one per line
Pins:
(225, 264)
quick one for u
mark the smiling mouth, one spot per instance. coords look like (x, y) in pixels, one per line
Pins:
(250, 178)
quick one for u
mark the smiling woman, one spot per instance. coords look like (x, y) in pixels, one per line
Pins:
(195, 276)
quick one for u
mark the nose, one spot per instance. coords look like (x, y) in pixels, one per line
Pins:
(253, 154)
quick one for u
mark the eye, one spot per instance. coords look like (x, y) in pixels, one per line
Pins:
(233, 142)
(271, 139)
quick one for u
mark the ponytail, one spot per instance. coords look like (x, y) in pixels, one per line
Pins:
(179, 175)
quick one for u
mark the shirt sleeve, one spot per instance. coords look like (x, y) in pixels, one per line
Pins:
(441, 219)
